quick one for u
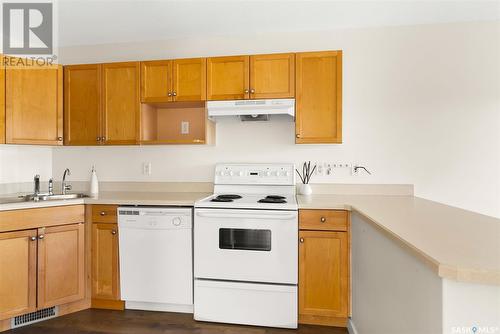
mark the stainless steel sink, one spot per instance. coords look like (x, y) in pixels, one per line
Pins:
(39, 198)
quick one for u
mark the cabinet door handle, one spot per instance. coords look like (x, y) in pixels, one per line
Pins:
(33, 238)
(323, 219)
(41, 236)
(103, 213)
(113, 232)
(246, 91)
(98, 139)
(252, 91)
(297, 135)
(169, 94)
(59, 138)
(301, 240)
(174, 94)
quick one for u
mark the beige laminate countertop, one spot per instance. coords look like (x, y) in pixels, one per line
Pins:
(458, 244)
(118, 198)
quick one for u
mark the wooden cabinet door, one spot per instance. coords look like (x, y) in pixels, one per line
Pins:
(121, 103)
(189, 79)
(228, 78)
(105, 270)
(323, 274)
(61, 264)
(82, 104)
(319, 97)
(2, 100)
(17, 273)
(156, 81)
(272, 76)
(34, 105)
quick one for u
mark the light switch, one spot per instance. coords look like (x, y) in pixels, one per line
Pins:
(184, 128)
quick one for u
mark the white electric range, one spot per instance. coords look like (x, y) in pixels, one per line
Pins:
(246, 247)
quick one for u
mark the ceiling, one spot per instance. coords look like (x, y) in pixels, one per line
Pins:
(84, 22)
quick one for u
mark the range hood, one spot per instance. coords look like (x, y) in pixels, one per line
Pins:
(251, 109)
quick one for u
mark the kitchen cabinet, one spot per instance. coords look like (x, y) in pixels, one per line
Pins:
(33, 104)
(272, 76)
(61, 264)
(228, 78)
(105, 263)
(324, 274)
(18, 273)
(82, 104)
(251, 77)
(120, 96)
(2, 100)
(173, 80)
(318, 97)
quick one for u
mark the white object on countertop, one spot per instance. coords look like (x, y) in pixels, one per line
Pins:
(156, 263)
(94, 183)
(305, 189)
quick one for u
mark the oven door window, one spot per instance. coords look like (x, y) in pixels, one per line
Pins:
(245, 239)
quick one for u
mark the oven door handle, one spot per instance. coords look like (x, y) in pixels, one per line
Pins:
(287, 216)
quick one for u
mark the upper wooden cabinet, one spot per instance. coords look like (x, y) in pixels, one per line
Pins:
(2, 101)
(120, 103)
(82, 104)
(18, 273)
(228, 78)
(251, 77)
(272, 76)
(173, 80)
(318, 97)
(61, 264)
(34, 104)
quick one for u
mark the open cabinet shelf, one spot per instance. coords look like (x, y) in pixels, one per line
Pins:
(176, 123)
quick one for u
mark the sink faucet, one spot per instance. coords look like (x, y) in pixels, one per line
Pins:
(65, 187)
(36, 189)
(51, 187)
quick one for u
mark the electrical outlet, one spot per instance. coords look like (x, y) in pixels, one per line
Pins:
(146, 168)
(184, 127)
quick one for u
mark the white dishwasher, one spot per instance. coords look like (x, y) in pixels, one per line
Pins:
(156, 261)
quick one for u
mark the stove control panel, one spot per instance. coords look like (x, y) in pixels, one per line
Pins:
(265, 174)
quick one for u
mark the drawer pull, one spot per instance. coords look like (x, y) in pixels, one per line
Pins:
(41, 237)
(33, 238)
(301, 240)
(323, 219)
(113, 232)
(103, 213)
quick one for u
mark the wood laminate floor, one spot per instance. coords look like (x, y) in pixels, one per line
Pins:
(139, 322)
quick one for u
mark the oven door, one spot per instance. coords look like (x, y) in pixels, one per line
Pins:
(246, 245)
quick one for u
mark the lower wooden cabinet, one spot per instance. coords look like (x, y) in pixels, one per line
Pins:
(61, 264)
(105, 261)
(18, 281)
(46, 267)
(324, 274)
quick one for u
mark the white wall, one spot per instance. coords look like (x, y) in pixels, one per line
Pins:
(21, 163)
(421, 106)
(393, 292)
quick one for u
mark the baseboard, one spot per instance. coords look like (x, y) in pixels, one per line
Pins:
(108, 304)
(322, 320)
(64, 309)
(159, 307)
(351, 328)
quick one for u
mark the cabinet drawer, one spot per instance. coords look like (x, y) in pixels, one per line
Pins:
(104, 213)
(323, 220)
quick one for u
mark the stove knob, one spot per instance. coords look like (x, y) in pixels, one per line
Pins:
(287, 173)
(231, 173)
(268, 173)
(176, 221)
(275, 173)
(241, 173)
(220, 173)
